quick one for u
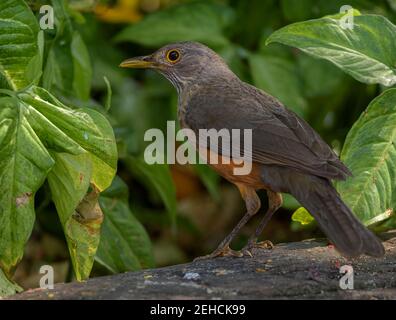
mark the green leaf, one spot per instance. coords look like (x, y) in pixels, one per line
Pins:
(302, 216)
(370, 152)
(38, 133)
(158, 176)
(68, 68)
(7, 287)
(24, 164)
(69, 181)
(85, 128)
(380, 218)
(387, 224)
(107, 105)
(367, 52)
(81, 67)
(279, 77)
(52, 73)
(83, 146)
(19, 51)
(124, 243)
(195, 21)
(33, 70)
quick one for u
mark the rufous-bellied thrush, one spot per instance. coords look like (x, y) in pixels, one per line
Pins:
(287, 154)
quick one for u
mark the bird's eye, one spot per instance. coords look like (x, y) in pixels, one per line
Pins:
(173, 55)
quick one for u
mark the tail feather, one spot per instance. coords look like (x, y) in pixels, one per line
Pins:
(337, 221)
(333, 216)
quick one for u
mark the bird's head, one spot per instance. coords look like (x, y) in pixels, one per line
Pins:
(183, 63)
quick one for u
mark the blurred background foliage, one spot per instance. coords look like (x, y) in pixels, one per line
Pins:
(161, 214)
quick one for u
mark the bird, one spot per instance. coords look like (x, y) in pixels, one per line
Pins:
(287, 154)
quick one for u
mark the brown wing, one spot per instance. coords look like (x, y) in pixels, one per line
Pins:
(279, 136)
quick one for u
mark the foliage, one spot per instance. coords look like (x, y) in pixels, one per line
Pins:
(124, 244)
(62, 145)
(369, 152)
(42, 138)
(196, 21)
(366, 52)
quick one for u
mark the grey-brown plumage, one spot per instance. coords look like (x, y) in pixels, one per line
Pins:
(288, 155)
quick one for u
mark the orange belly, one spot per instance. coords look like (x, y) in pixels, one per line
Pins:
(225, 167)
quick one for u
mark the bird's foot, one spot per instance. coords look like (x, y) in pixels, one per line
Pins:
(222, 252)
(266, 244)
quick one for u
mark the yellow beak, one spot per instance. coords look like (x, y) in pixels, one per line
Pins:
(138, 62)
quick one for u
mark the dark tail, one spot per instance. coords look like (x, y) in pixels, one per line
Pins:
(334, 218)
(337, 221)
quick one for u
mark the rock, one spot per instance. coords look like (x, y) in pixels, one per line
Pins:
(302, 270)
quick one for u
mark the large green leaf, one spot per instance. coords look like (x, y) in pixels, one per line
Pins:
(279, 77)
(370, 152)
(36, 132)
(39, 134)
(19, 51)
(85, 130)
(367, 52)
(195, 21)
(83, 147)
(24, 165)
(124, 243)
(25, 161)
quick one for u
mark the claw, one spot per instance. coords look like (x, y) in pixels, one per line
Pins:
(223, 252)
(266, 244)
(247, 250)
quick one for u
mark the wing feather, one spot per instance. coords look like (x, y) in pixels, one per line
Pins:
(279, 136)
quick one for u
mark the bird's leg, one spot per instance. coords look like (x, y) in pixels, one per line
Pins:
(274, 203)
(252, 205)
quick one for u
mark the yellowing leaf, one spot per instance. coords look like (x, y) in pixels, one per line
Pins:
(302, 216)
